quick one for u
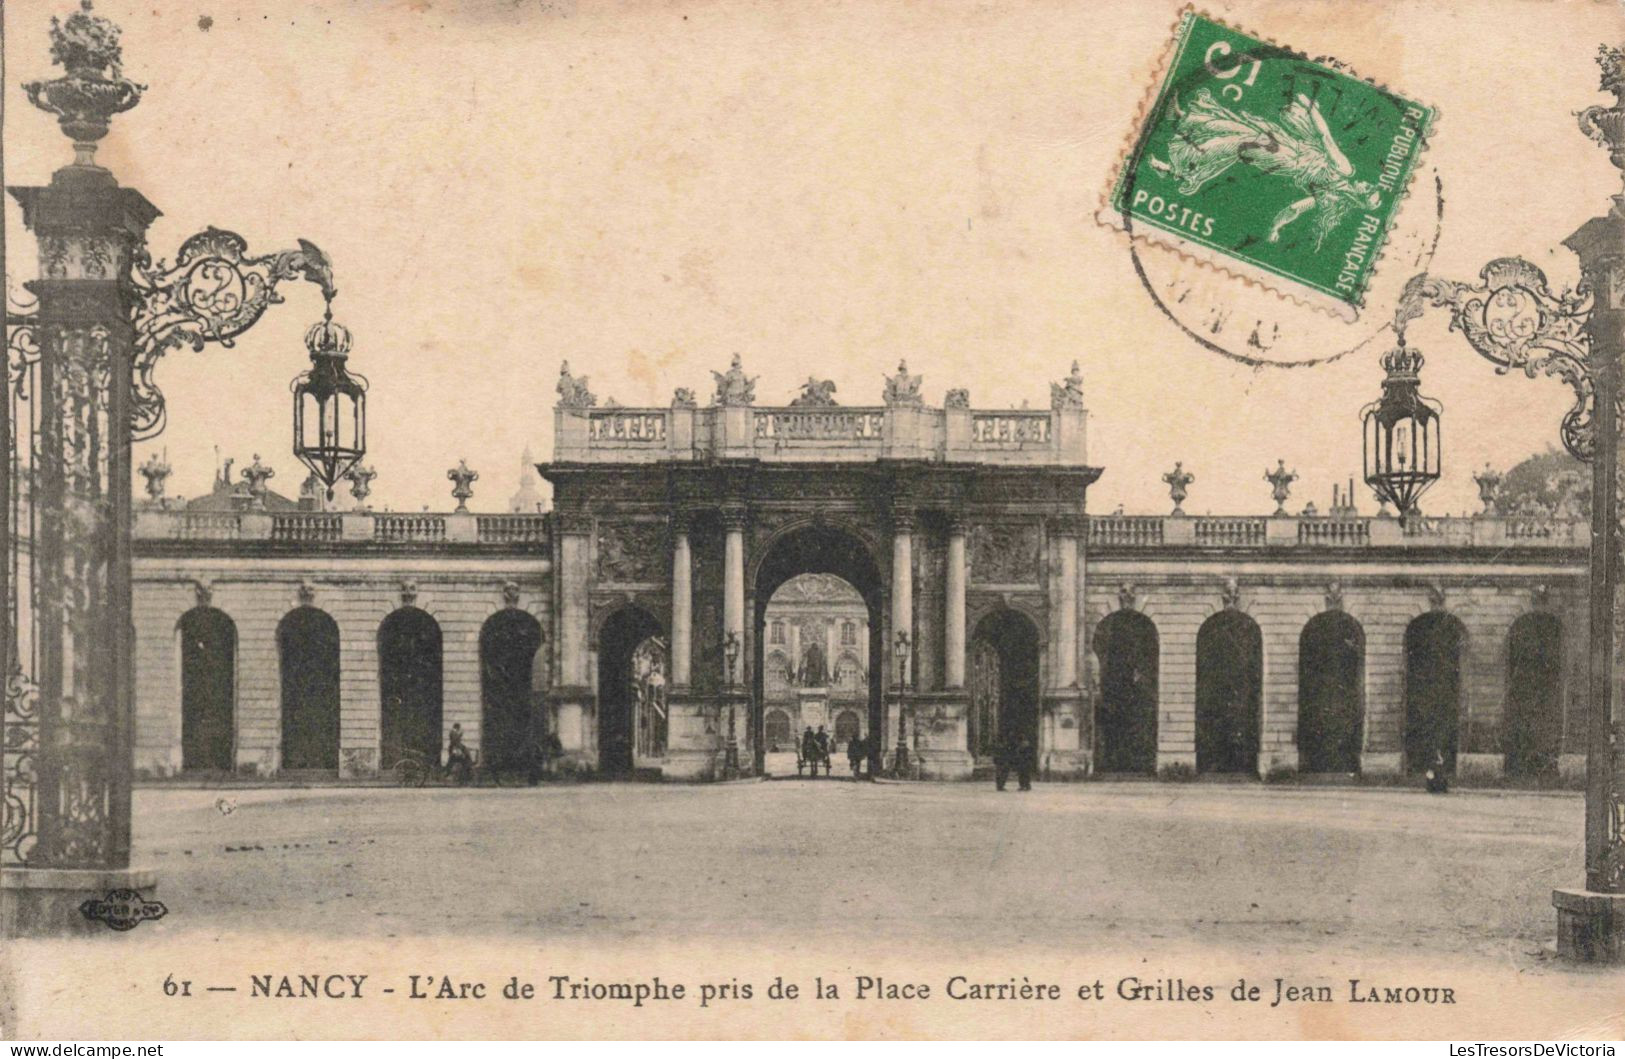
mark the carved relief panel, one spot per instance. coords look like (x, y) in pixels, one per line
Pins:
(1004, 554)
(633, 552)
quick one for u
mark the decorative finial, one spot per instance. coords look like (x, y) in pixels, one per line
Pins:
(361, 484)
(92, 88)
(463, 480)
(256, 475)
(1280, 481)
(155, 471)
(1179, 480)
(1606, 125)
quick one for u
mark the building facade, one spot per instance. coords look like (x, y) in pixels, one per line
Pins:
(712, 577)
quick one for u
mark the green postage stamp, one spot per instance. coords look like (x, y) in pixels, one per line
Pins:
(1269, 165)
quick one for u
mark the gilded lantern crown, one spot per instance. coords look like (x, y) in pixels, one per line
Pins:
(327, 338)
(1402, 363)
(93, 87)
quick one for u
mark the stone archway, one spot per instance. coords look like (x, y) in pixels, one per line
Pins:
(1229, 687)
(1532, 730)
(1126, 644)
(631, 697)
(409, 687)
(308, 645)
(208, 689)
(1434, 645)
(1331, 693)
(1005, 681)
(508, 643)
(820, 548)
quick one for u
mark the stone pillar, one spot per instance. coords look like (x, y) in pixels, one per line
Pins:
(902, 578)
(1066, 625)
(682, 603)
(954, 629)
(572, 691)
(75, 712)
(733, 582)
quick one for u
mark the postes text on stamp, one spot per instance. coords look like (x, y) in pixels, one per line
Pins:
(1266, 164)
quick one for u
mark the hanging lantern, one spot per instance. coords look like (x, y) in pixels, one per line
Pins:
(329, 406)
(1402, 444)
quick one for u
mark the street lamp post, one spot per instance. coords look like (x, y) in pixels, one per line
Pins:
(1514, 319)
(730, 754)
(80, 390)
(900, 650)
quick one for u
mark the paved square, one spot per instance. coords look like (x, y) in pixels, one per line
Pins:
(1066, 865)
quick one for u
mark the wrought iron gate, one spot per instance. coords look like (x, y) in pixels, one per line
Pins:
(19, 722)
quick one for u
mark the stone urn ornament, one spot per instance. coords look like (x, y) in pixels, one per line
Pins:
(463, 479)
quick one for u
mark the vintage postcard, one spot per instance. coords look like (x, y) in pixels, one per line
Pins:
(708, 519)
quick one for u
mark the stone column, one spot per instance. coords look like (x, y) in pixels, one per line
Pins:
(682, 602)
(1066, 625)
(733, 583)
(954, 631)
(572, 692)
(902, 581)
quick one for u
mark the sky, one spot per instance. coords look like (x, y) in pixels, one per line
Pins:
(644, 189)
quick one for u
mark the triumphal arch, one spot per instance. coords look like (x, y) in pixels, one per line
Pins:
(961, 529)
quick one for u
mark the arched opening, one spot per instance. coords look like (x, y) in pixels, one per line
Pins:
(1229, 682)
(508, 643)
(777, 731)
(632, 719)
(308, 642)
(1534, 710)
(848, 726)
(409, 686)
(208, 689)
(824, 590)
(1433, 646)
(1004, 683)
(1331, 693)
(1126, 645)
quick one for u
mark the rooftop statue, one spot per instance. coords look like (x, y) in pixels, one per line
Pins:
(1068, 393)
(734, 387)
(903, 388)
(573, 392)
(818, 393)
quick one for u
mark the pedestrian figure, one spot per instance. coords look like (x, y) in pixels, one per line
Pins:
(459, 762)
(1024, 763)
(809, 750)
(856, 750)
(1437, 781)
(822, 739)
(1003, 755)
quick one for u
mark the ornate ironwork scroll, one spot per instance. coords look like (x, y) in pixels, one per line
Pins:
(1513, 319)
(214, 292)
(19, 713)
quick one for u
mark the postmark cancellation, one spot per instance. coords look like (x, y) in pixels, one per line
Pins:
(1269, 166)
